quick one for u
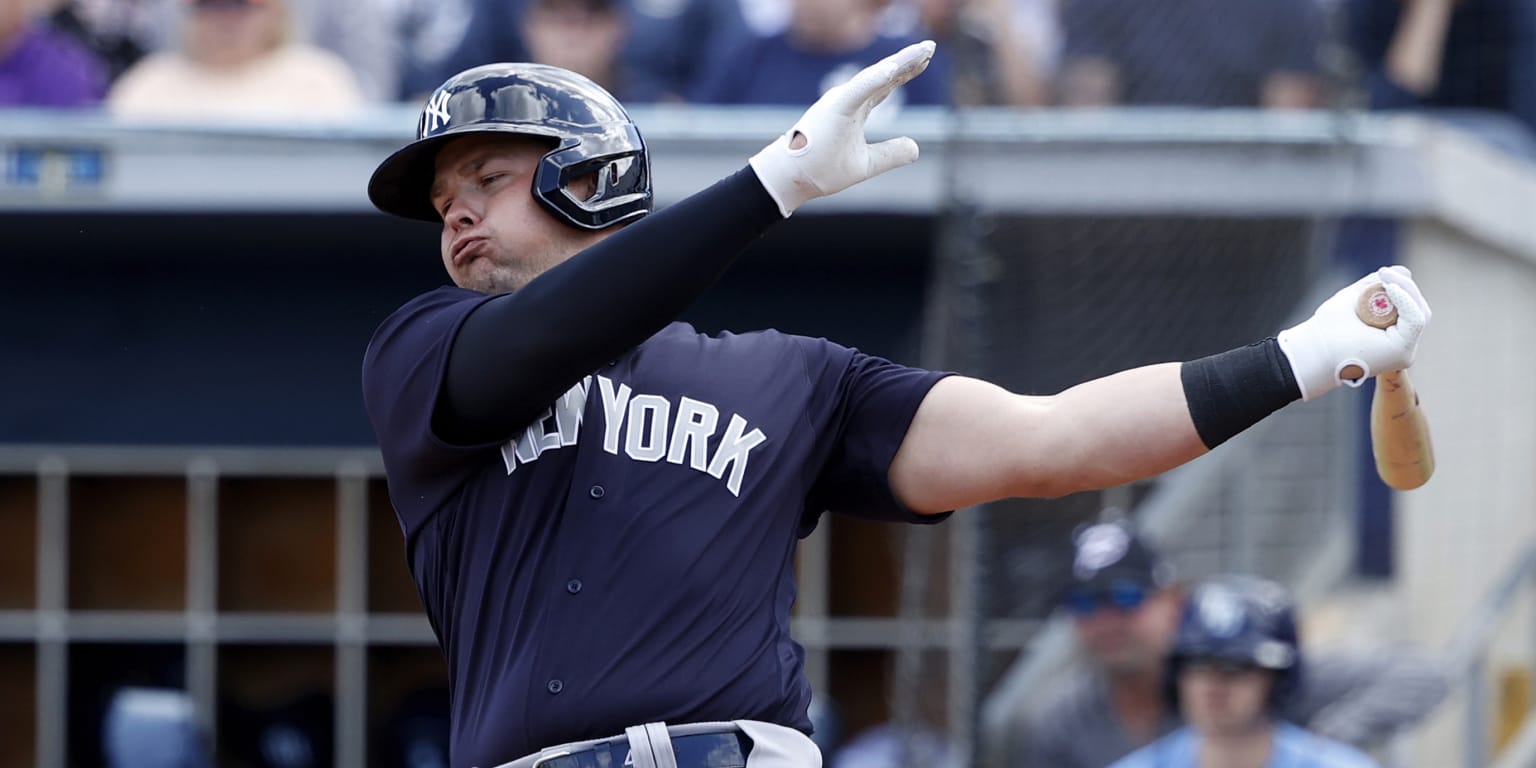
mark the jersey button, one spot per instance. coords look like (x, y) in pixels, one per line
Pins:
(555, 686)
(573, 586)
(597, 492)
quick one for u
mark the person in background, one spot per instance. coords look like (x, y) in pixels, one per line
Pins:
(1125, 604)
(493, 34)
(1462, 55)
(671, 41)
(238, 60)
(1235, 664)
(394, 47)
(1239, 53)
(826, 42)
(41, 66)
(118, 32)
(583, 36)
(1000, 49)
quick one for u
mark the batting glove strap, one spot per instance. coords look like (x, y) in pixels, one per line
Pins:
(1333, 338)
(825, 152)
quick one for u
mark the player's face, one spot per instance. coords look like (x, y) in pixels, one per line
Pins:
(1224, 699)
(496, 237)
(1130, 640)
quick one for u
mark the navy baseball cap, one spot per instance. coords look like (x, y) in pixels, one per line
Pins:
(1109, 561)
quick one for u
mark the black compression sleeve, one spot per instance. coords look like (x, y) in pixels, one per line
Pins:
(1232, 391)
(515, 354)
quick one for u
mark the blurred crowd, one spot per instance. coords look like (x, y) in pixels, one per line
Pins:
(318, 58)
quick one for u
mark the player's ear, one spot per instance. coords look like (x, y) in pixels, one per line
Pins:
(587, 187)
(583, 188)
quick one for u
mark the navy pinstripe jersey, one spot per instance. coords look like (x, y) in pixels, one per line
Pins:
(628, 557)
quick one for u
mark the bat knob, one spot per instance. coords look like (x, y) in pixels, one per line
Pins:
(1375, 307)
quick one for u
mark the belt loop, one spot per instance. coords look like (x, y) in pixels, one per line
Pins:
(640, 754)
(661, 745)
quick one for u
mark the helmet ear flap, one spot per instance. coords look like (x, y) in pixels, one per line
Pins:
(622, 191)
(604, 180)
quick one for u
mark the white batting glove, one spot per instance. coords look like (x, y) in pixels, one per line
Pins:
(1333, 338)
(833, 156)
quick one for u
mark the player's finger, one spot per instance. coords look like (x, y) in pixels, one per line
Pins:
(1411, 316)
(891, 154)
(1402, 278)
(875, 82)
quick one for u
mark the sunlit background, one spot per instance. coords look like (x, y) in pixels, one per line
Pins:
(193, 516)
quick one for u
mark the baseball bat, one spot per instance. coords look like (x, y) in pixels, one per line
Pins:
(1400, 442)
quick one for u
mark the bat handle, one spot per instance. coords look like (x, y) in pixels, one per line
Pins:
(1405, 456)
(1375, 308)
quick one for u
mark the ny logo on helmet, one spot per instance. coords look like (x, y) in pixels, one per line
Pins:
(1221, 611)
(436, 115)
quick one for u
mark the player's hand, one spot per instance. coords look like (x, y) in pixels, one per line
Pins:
(825, 151)
(1333, 337)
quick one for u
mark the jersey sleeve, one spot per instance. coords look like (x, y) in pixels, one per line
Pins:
(863, 406)
(403, 373)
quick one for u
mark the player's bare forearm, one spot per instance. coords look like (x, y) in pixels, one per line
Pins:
(972, 441)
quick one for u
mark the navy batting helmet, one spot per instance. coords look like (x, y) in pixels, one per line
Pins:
(591, 131)
(1240, 620)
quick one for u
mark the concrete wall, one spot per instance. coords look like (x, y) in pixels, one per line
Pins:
(1460, 533)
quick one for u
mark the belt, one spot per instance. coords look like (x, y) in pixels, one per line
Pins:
(656, 745)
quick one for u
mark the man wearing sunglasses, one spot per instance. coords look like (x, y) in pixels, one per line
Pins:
(1125, 606)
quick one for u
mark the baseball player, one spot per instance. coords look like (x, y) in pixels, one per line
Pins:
(601, 505)
(1125, 603)
(1235, 665)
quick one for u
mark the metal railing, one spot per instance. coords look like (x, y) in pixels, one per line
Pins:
(1467, 659)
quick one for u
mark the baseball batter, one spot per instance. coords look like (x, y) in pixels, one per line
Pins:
(601, 504)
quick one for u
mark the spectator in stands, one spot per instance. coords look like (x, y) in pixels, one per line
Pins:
(1451, 55)
(42, 67)
(494, 33)
(1236, 662)
(119, 32)
(1001, 49)
(670, 41)
(1126, 606)
(826, 42)
(238, 60)
(394, 47)
(583, 36)
(1235, 53)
